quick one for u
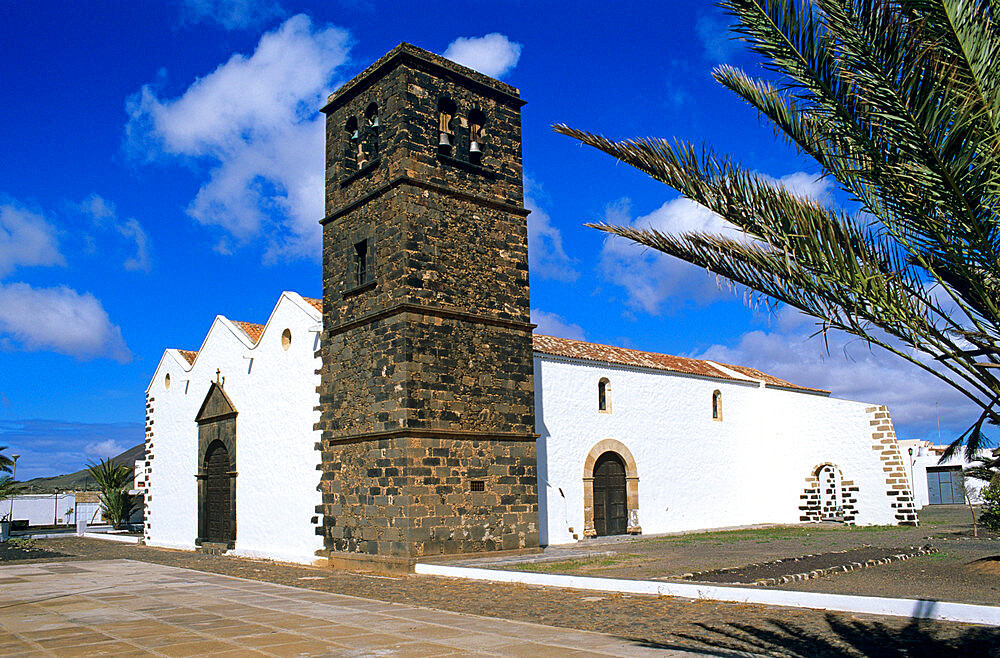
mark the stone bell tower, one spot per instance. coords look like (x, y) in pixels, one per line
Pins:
(427, 393)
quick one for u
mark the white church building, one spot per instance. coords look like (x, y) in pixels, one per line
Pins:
(621, 437)
(413, 412)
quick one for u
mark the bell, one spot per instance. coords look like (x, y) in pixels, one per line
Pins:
(445, 140)
(354, 135)
(374, 122)
(474, 148)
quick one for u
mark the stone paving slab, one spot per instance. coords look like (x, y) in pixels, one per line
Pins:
(125, 607)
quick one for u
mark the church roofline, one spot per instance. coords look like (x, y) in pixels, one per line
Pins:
(406, 53)
(577, 349)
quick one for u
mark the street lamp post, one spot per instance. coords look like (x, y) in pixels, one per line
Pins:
(13, 473)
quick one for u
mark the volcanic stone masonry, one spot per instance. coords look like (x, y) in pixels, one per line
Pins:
(427, 391)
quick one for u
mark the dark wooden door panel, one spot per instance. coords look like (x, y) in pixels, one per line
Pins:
(610, 500)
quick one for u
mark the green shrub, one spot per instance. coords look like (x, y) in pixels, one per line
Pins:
(989, 516)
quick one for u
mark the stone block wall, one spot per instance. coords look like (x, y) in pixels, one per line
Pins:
(149, 466)
(427, 382)
(897, 484)
(414, 497)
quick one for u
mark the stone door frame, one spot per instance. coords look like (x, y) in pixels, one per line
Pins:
(631, 486)
(216, 421)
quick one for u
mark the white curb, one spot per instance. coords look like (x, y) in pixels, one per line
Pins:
(912, 608)
(127, 539)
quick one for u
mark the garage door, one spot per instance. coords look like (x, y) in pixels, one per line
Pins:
(945, 486)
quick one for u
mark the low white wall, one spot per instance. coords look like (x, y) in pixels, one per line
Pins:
(45, 509)
(274, 392)
(696, 472)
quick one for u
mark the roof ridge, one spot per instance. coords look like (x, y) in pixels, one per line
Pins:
(572, 348)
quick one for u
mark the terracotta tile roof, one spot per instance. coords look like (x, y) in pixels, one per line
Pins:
(189, 355)
(770, 379)
(315, 303)
(594, 352)
(250, 329)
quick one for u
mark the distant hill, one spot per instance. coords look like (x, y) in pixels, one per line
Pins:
(81, 480)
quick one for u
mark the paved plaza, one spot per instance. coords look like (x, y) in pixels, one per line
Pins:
(125, 607)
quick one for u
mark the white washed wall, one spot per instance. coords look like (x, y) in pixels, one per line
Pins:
(274, 392)
(695, 472)
(41, 509)
(917, 468)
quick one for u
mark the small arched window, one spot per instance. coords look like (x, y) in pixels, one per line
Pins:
(477, 121)
(717, 405)
(604, 395)
(446, 128)
(353, 147)
(372, 126)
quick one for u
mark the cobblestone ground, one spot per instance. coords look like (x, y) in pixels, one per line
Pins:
(716, 628)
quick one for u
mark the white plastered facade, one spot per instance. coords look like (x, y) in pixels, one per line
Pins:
(693, 471)
(274, 392)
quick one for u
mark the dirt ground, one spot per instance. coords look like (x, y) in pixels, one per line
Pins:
(964, 569)
(715, 628)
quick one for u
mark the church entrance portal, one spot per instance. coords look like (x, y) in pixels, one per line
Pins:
(217, 510)
(610, 509)
(216, 469)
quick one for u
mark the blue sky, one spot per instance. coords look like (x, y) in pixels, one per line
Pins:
(162, 164)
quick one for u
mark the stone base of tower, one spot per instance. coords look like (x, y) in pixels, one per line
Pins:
(407, 497)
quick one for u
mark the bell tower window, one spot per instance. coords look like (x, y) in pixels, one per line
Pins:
(476, 122)
(352, 150)
(371, 131)
(446, 128)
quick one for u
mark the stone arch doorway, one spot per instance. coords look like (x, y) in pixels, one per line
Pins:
(216, 469)
(830, 504)
(610, 491)
(828, 496)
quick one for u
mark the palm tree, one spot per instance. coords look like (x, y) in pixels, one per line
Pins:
(8, 489)
(114, 482)
(899, 101)
(986, 469)
(6, 463)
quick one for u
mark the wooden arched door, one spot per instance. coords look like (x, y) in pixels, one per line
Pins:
(216, 469)
(610, 500)
(217, 503)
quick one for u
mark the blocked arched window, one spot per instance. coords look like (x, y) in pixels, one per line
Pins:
(446, 125)
(372, 127)
(717, 405)
(604, 395)
(353, 144)
(477, 121)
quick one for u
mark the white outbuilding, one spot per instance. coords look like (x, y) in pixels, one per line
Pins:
(628, 442)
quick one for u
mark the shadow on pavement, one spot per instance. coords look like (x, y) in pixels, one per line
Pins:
(917, 639)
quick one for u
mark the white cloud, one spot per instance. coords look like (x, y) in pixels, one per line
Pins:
(652, 280)
(494, 54)
(853, 371)
(810, 186)
(546, 255)
(104, 449)
(551, 324)
(26, 239)
(232, 14)
(59, 320)
(105, 215)
(255, 121)
(713, 30)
